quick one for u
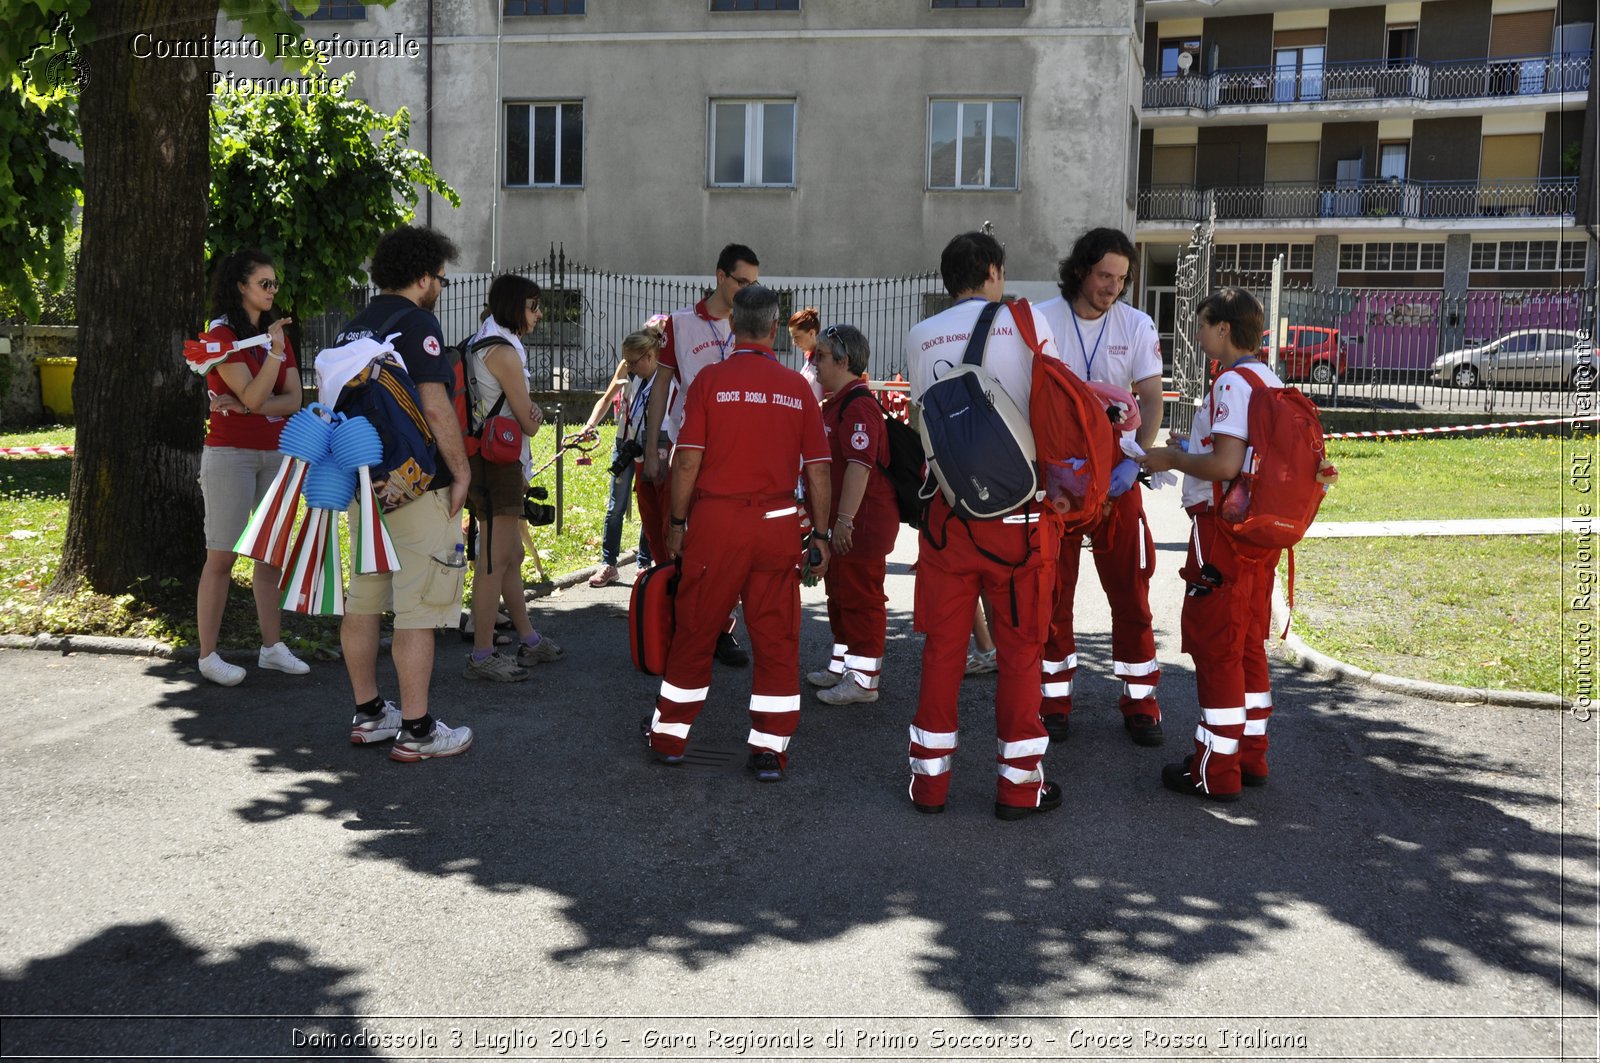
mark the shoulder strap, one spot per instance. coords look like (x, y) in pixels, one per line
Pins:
(1022, 316)
(382, 333)
(980, 335)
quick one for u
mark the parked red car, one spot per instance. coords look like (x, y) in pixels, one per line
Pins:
(1312, 353)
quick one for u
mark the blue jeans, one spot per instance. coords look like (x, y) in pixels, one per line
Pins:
(616, 508)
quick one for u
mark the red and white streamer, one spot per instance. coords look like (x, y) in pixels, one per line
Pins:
(47, 451)
(1454, 428)
(266, 537)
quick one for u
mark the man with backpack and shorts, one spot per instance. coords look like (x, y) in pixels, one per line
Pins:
(425, 593)
(1101, 338)
(1009, 559)
(1227, 606)
(696, 336)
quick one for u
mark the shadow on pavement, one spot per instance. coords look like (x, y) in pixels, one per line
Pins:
(1419, 847)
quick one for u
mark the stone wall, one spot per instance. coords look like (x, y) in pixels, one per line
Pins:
(20, 402)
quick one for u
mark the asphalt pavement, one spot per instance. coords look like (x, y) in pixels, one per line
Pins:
(193, 870)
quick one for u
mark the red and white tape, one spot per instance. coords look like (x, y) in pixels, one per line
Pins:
(1454, 428)
(35, 452)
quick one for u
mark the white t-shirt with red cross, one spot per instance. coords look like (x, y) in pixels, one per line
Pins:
(1226, 412)
(935, 345)
(694, 340)
(1121, 348)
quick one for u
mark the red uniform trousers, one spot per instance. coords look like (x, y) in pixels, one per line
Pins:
(1225, 632)
(735, 550)
(949, 581)
(1125, 557)
(857, 614)
(653, 500)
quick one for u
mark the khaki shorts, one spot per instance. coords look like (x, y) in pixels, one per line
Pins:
(233, 481)
(425, 592)
(501, 485)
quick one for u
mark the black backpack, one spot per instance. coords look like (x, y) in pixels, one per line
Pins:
(905, 470)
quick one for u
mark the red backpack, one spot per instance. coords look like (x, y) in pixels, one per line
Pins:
(1074, 438)
(1275, 497)
(650, 618)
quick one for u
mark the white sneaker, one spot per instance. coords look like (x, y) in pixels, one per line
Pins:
(365, 729)
(279, 658)
(444, 742)
(980, 663)
(823, 678)
(847, 692)
(219, 671)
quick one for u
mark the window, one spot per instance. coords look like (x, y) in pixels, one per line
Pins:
(332, 11)
(1259, 257)
(1483, 256)
(755, 5)
(1400, 48)
(752, 143)
(1392, 158)
(1572, 256)
(544, 145)
(543, 7)
(1396, 257)
(938, 4)
(972, 144)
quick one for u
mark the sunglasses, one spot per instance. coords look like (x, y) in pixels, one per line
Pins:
(268, 285)
(444, 282)
(835, 343)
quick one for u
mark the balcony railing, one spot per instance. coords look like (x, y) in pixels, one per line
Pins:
(1344, 82)
(1301, 201)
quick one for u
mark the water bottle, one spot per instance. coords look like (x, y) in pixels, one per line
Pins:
(458, 559)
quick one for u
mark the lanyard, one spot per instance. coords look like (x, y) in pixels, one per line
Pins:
(724, 343)
(1088, 355)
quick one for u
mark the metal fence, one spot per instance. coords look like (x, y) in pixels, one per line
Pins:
(1515, 350)
(1381, 79)
(1369, 197)
(588, 312)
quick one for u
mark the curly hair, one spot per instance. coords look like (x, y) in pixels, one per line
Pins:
(1091, 247)
(407, 254)
(806, 320)
(232, 270)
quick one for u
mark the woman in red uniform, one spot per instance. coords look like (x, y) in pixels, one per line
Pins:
(252, 392)
(865, 523)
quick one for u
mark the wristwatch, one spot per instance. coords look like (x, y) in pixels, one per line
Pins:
(825, 536)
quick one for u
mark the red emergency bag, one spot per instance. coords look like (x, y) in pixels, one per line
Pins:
(650, 619)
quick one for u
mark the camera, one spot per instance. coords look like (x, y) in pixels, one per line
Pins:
(536, 510)
(627, 451)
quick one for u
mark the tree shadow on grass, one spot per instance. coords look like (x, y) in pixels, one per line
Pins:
(1441, 856)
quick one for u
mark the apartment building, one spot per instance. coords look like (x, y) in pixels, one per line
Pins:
(840, 138)
(1430, 145)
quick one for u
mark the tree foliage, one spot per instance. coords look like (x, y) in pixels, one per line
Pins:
(313, 181)
(39, 187)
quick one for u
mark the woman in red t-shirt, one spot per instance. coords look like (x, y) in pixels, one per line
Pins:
(866, 521)
(252, 392)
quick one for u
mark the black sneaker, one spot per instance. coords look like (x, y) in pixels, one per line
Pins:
(1049, 800)
(765, 767)
(1145, 730)
(1056, 726)
(1251, 779)
(729, 652)
(1176, 778)
(928, 810)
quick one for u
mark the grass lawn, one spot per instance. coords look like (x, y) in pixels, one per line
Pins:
(33, 515)
(1445, 478)
(1480, 611)
(1476, 611)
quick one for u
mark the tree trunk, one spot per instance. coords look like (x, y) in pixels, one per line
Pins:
(135, 508)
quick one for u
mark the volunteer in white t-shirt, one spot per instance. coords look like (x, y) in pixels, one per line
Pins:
(958, 559)
(1102, 338)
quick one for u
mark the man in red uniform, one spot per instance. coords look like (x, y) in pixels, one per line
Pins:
(696, 336)
(866, 519)
(1010, 560)
(748, 424)
(1102, 338)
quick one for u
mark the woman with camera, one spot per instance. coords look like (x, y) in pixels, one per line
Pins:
(502, 417)
(634, 377)
(252, 392)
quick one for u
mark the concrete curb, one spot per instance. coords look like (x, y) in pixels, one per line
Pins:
(1295, 651)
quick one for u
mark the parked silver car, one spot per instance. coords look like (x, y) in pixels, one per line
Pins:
(1549, 358)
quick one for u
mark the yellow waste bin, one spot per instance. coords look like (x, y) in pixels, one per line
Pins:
(55, 386)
